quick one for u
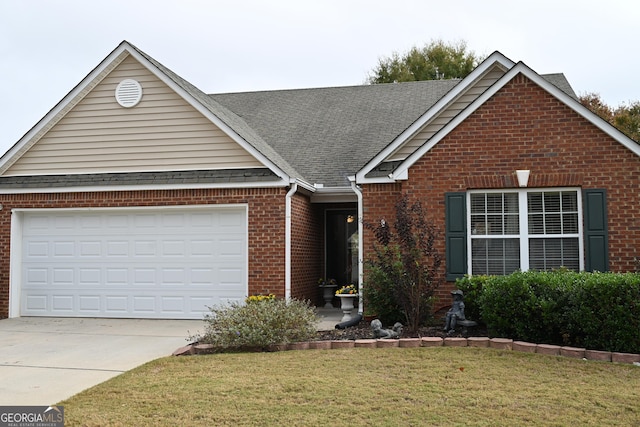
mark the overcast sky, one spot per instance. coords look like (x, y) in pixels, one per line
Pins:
(48, 46)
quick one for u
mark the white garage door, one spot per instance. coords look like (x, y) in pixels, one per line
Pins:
(144, 263)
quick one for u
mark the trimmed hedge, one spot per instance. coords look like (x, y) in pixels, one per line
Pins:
(598, 311)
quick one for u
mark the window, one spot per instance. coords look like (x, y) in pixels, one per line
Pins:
(524, 230)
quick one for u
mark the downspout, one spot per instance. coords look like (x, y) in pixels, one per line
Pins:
(287, 240)
(358, 192)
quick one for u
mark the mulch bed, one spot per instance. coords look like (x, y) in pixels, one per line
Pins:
(363, 331)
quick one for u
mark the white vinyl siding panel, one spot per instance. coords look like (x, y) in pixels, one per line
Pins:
(163, 132)
(452, 110)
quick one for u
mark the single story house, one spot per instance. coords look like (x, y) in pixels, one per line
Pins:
(139, 195)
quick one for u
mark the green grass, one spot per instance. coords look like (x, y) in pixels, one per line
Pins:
(365, 387)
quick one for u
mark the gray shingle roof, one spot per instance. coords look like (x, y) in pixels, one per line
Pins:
(560, 81)
(138, 178)
(330, 133)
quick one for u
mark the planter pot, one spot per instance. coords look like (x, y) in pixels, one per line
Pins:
(346, 305)
(328, 291)
(370, 317)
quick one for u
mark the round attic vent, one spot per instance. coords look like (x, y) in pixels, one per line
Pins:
(128, 93)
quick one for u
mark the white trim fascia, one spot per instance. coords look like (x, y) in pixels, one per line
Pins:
(495, 58)
(125, 172)
(15, 265)
(192, 101)
(402, 169)
(304, 185)
(134, 208)
(333, 195)
(376, 180)
(103, 188)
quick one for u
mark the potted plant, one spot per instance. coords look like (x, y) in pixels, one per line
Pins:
(347, 295)
(327, 286)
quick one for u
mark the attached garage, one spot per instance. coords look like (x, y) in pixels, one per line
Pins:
(152, 262)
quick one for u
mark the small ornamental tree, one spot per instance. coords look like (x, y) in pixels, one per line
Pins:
(403, 273)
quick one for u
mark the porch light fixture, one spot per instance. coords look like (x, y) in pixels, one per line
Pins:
(523, 177)
(350, 219)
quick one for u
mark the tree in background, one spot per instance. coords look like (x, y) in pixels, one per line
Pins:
(436, 60)
(626, 117)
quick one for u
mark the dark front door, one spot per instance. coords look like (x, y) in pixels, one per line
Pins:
(342, 246)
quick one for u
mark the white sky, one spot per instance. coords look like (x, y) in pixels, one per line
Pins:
(48, 46)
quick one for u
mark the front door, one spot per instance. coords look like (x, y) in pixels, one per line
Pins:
(341, 251)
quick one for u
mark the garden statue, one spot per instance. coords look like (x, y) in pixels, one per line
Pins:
(456, 312)
(378, 332)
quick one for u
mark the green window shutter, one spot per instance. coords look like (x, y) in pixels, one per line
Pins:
(455, 206)
(596, 239)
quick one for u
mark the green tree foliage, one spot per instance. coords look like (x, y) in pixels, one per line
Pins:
(404, 271)
(436, 60)
(626, 117)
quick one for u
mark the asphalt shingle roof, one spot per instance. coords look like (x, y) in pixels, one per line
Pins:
(138, 178)
(328, 134)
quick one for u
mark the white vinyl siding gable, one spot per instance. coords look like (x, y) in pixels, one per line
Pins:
(442, 118)
(162, 133)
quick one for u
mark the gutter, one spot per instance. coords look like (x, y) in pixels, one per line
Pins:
(358, 192)
(287, 239)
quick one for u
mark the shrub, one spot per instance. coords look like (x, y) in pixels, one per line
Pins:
(380, 287)
(525, 305)
(259, 324)
(471, 286)
(605, 312)
(599, 311)
(403, 272)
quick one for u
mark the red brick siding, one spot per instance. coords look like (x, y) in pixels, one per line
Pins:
(306, 250)
(378, 203)
(523, 127)
(265, 221)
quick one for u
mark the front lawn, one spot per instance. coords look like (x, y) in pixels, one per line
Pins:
(365, 387)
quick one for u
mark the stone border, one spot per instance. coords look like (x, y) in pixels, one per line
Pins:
(479, 342)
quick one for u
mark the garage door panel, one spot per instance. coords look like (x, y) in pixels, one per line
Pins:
(37, 249)
(116, 305)
(62, 304)
(90, 304)
(150, 264)
(173, 277)
(63, 276)
(36, 303)
(90, 277)
(116, 277)
(90, 248)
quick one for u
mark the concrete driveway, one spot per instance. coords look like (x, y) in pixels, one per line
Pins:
(45, 360)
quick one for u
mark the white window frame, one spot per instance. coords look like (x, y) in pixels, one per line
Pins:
(524, 235)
